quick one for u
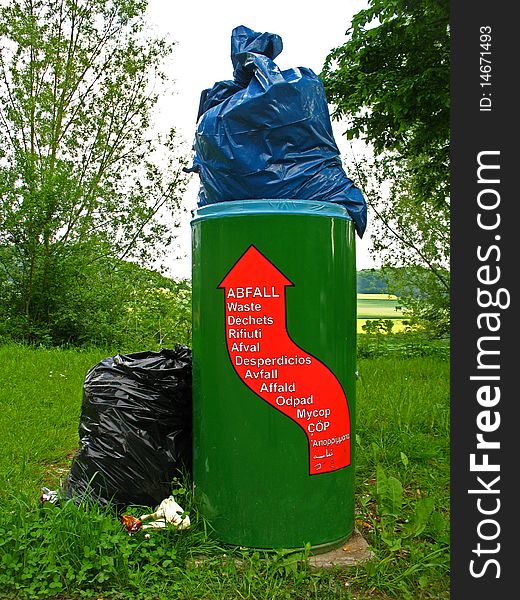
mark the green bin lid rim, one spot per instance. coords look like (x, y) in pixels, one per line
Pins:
(241, 208)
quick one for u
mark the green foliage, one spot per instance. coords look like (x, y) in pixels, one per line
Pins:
(389, 497)
(84, 551)
(424, 298)
(391, 80)
(371, 281)
(412, 242)
(378, 326)
(157, 316)
(83, 180)
(97, 303)
(377, 343)
(389, 493)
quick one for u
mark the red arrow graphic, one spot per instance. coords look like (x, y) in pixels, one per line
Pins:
(278, 370)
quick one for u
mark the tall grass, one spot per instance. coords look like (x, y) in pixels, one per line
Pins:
(402, 445)
(403, 474)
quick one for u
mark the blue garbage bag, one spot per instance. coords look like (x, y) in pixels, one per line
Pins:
(267, 133)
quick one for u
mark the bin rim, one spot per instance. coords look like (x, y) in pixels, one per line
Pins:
(282, 206)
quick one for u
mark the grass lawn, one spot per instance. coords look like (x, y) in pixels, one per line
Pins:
(66, 552)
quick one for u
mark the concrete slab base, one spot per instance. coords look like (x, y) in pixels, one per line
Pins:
(354, 552)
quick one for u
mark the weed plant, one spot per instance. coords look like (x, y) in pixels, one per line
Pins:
(381, 342)
(69, 552)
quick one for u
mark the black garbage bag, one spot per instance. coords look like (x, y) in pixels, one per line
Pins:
(267, 134)
(135, 429)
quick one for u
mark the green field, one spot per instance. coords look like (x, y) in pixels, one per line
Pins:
(378, 306)
(402, 500)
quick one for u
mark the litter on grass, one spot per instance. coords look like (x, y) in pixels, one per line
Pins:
(167, 513)
(47, 495)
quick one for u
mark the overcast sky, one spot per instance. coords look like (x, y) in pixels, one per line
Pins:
(202, 30)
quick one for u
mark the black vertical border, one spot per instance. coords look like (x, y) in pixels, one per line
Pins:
(474, 131)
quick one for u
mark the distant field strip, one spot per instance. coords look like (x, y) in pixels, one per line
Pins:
(376, 297)
(378, 306)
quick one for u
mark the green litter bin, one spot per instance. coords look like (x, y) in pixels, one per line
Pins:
(274, 371)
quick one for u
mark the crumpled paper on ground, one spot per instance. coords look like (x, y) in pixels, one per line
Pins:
(167, 513)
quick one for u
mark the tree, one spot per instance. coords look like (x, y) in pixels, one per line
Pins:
(371, 281)
(412, 242)
(82, 177)
(391, 81)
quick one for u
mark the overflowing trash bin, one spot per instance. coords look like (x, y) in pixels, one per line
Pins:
(274, 308)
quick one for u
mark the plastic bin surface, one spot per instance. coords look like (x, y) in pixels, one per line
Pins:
(274, 362)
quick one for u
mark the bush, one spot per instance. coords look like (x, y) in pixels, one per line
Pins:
(403, 345)
(97, 303)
